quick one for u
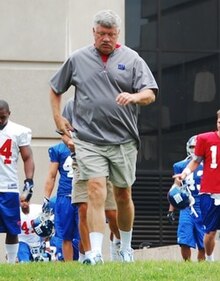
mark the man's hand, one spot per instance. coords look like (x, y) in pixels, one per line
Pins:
(46, 205)
(28, 189)
(63, 126)
(171, 217)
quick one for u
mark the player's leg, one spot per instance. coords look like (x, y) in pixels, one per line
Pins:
(210, 216)
(9, 223)
(199, 234)
(24, 254)
(68, 227)
(185, 233)
(186, 252)
(209, 243)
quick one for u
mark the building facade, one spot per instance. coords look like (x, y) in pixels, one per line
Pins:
(180, 41)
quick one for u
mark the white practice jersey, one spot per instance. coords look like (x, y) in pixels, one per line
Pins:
(27, 233)
(12, 137)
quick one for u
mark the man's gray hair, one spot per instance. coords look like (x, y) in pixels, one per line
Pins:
(107, 18)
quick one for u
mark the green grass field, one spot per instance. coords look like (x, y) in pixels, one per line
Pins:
(140, 270)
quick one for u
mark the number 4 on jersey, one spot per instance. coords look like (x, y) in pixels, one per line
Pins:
(5, 150)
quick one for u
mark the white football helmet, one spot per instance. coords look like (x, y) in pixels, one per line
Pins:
(190, 146)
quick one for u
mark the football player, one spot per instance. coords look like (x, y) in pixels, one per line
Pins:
(15, 139)
(190, 231)
(208, 150)
(66, 214)
(29, 241)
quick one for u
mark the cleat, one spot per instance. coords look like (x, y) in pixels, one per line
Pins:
(93, 259)
(114, 252)
(127, 255)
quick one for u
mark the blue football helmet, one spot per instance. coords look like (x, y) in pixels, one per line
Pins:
(179, 197)
(190, 146)
(43, 225)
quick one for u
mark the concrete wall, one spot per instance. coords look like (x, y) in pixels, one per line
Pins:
(36, 37)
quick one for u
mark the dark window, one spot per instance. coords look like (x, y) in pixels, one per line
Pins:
(180, 41)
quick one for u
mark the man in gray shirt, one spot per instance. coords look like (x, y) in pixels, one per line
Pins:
(110, 81)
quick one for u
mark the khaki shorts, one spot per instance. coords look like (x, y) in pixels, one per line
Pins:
(80, 194)
(116, 162)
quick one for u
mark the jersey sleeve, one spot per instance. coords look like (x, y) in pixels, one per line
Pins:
(176, 169)
(24, 137)
(53, 154)
(200, 146)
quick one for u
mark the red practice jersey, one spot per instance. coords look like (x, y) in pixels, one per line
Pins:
(208, 147)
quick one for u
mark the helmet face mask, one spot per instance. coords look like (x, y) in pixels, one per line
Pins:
(179, 197)
(190, 146)
(43, 225)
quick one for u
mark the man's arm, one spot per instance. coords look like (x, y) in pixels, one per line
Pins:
(50, 180)
(62, 123)
(190, 168)
(27, 157)
(144, 97)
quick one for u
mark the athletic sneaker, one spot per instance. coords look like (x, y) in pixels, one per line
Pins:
(127, 255)
(114, 251)
(93, 259)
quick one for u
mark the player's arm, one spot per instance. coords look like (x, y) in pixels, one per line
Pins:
(51, 179)
(27, 157)
(190, 168)
(62, 123)
(49, 185)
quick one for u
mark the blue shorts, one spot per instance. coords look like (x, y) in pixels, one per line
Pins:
(66, 219)
(190, 229)
(24, 253)
(10, 221)
(210, 213)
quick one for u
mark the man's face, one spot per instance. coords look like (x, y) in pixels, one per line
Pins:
(4, 115)
(105, 39)
(24, 205)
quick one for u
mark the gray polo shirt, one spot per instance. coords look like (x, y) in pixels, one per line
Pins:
(97, 117)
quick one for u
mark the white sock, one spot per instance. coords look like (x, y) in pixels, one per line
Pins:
(96, 239)
(210, 258)
(116, 240)
(87, 254)
(11, 251)
(81, 257)
(126, 237)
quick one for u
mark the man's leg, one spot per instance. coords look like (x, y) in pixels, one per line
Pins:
(11, 246)
(111, 216)
(209, 243)
(115, 243)
(96, 213)
(125, 218)
(67, 249)
(186, 252)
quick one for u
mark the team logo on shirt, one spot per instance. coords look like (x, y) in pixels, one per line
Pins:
(121, 66)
